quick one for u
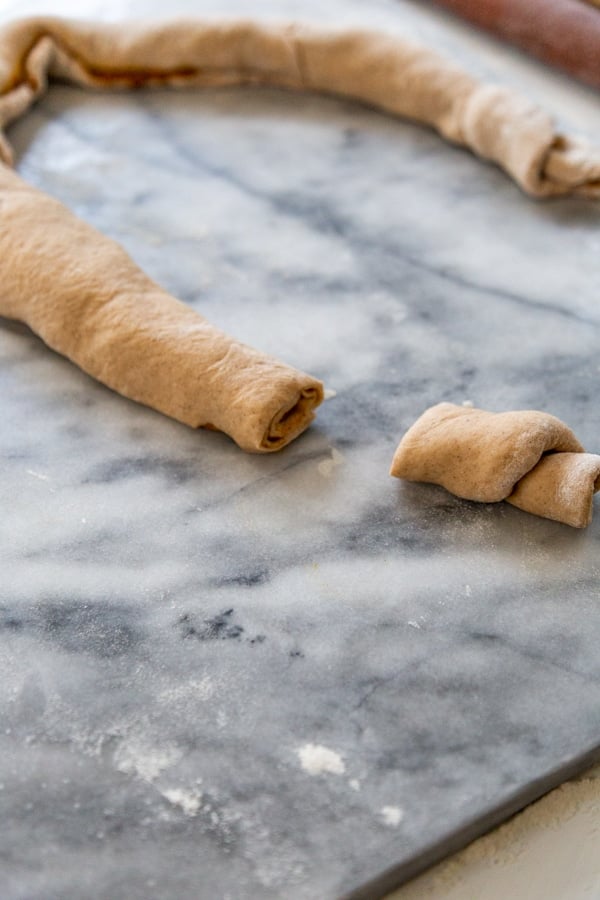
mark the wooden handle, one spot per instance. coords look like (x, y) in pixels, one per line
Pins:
(563, 33)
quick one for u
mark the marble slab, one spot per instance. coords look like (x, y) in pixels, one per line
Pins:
(231, 676)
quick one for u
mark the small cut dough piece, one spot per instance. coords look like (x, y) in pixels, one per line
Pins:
(529, 458)
(476, 454)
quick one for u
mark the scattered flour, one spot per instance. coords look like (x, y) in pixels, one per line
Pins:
(392, 815)
(319, 760)
(38, 475)
(354, 784)
(468, 403)
(133, 758)
(188, 801)
(195, 689)
(326, 466)
(582, 475)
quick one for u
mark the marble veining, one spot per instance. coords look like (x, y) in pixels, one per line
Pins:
(180, 621)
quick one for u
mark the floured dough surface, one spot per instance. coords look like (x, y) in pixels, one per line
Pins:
(562, 485)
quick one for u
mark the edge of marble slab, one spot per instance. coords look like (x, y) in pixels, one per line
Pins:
(396, 876)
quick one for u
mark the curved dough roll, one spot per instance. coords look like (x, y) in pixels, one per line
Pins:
(529, 458)
(387, 72)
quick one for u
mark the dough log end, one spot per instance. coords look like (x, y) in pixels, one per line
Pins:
(288, 423)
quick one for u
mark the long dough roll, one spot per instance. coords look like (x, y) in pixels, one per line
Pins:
(88, 300)
(528, 458)
(387, 72)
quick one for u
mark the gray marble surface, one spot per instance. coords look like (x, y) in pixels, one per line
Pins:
(230, 676)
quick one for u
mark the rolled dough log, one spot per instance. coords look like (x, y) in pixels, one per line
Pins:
(387, 72)
(88, 300)
(529, 458)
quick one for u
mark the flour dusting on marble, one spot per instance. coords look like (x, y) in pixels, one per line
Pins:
(188, 800)
(316, 759)
(147, 762)
(38, 475)
(195, 689)
(391, 815)
(326, 466)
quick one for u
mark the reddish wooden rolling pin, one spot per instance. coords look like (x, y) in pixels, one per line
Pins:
(563, 33)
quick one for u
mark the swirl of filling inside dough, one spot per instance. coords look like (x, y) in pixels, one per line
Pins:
(530, 459)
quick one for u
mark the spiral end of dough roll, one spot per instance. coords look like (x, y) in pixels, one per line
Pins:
(288, 423)
(270, 416)
(527, 457)
(572, 163)
(259, 401)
